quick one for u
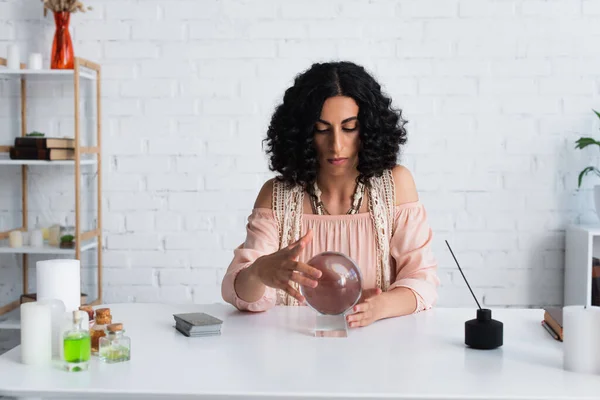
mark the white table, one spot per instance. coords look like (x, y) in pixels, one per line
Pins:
(271, 355)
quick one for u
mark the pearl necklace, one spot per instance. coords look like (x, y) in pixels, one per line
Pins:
(319, 207)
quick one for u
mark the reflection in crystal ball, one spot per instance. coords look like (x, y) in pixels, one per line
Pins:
(340, 285)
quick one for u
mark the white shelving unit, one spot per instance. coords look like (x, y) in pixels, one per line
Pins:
(582, 243)
(45, 74)
(46, 249)
(7, 161)
(84, 156)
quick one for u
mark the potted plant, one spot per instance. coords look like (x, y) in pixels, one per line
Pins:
(67, 242)
(582, 143)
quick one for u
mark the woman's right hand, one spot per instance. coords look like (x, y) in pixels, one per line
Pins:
(280, 269)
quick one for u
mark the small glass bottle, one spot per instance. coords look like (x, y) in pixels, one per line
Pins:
(76, 344)
(103, 318)
(90, 311)
(115, 346)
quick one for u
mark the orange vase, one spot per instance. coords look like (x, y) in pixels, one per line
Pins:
(62, 46)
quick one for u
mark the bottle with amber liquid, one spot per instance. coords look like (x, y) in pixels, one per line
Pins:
(98, 330)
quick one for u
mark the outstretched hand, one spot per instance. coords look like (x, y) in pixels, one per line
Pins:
(366, 311)
(282, 268)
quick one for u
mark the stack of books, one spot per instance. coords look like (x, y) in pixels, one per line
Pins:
(42, 148)
(197, 324)
(553, 322)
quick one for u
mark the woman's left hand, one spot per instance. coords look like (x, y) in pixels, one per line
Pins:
(366, 311)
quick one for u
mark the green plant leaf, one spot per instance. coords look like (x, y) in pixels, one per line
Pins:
(585, 141)
(596, 112)
(69, 238)
(586, 171)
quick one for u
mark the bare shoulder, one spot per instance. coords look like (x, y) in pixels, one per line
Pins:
(264, 198)
(406, 190)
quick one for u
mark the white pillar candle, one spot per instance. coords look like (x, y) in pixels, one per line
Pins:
(57, 311)
(36, 333)
(13, 57)
(36, 238)
(581, 346)
(15, 239)
(35, 61)
(59, 279)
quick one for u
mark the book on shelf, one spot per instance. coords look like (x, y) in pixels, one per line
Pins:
(45, 142)
(33, 153)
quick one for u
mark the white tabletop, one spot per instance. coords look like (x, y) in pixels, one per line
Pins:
(273, 355)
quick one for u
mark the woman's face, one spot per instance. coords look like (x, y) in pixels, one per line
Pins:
(337, 137)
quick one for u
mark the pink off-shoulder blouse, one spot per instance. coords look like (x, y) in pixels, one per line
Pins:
(411, 259)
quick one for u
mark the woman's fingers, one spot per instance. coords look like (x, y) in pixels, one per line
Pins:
(359, 319)
(361, 307)
(303, 280)
(362, 316)
(295, 248)
(294, 293)
(308, 270)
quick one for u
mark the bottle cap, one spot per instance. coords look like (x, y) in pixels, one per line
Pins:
(115, 327)
(103, 319)
(105, 312)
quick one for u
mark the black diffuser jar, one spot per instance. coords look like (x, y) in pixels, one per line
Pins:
(483, 333)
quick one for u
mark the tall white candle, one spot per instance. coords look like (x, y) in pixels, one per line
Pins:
(581, 346)
(13, 59)
(36, 333)
(59, 279)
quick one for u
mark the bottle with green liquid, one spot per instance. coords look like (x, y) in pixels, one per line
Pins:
(77, 344)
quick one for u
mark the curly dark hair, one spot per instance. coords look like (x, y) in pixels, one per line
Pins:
(291, 131)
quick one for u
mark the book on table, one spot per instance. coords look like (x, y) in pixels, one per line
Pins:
(553, 319)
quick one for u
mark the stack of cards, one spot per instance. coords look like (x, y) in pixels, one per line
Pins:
(197, 324)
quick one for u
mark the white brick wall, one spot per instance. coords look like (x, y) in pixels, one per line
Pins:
(496, 92)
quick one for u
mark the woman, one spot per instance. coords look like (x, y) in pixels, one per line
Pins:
(334, 142)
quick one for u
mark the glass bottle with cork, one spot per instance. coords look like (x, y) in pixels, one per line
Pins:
(90, 311)
(103, 319)
(115, 346)
(76, 343)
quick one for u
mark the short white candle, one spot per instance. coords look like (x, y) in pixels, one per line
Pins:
(36, 333)
(36, 238)
(15, 239)
(35, 61)
(581, 346)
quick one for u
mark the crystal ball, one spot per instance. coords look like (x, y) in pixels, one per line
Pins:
(339, 287)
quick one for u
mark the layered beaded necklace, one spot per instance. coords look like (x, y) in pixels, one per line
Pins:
(319, 207)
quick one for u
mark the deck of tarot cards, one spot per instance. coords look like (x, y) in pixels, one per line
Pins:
(197, 324)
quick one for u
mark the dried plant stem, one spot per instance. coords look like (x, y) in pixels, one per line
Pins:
(71, 6)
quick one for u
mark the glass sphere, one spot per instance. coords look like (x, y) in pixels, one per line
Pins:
(339, 287)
